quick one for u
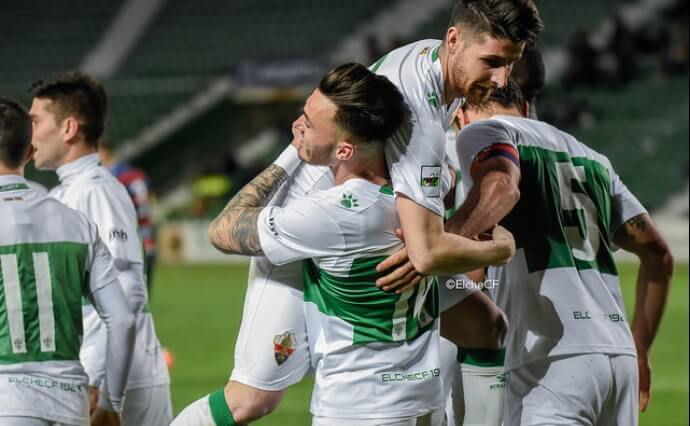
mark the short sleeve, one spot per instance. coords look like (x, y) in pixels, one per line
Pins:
(624, 205)
(417, 161)
(301, 230)
(476, 138)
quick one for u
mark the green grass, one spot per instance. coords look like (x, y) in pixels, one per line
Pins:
(198, 311)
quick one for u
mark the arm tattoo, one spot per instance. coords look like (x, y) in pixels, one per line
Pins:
(638, 223)
(235, 230)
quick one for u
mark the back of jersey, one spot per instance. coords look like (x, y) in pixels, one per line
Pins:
(44, 252)
(561, 292)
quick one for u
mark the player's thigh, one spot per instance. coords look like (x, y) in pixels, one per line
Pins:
(568, 390)
(272, 350)
(147, 406)
(622, 405)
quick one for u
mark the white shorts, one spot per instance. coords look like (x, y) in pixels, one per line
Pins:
(272, 351)
(588, 389)
(149, 406)
(435, 418)
(453, 290)
(43, 397)
(33, 421)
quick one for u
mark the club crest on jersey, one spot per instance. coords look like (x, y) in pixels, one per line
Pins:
(349, 201)
(284, 346)
(424, 51)
(431, 181)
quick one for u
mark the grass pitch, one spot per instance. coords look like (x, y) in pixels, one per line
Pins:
(198, 310)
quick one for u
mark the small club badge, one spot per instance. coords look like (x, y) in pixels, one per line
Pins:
(348, 201)
(284, 346)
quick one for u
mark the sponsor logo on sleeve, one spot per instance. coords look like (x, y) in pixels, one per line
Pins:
(431, 181)
(117, 235)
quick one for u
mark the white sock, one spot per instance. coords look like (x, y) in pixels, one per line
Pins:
(198, 413)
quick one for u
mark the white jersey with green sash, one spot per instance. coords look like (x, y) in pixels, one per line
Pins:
(375, 354)
(561, 291)
(416, 153)
(50, 257)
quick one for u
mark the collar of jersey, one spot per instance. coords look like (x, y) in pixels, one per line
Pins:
(71, 171)
(440, 87)
(7, 180)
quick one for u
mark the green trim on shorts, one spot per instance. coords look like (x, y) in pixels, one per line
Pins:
(219, 409)
(482, 357)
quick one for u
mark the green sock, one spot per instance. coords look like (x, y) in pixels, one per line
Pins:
(219, 409)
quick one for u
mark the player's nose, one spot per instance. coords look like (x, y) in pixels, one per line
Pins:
(499, 76)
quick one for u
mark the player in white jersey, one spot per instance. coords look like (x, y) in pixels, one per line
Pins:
(483, 41)
(50, 257)
(69, 113)
(362, 339)
(478, 59)
(477, 393)
(571, 356)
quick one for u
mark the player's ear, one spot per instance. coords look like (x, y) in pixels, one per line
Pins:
(70, 128)
(463, 118)
(345, 150)
(453, 39)
(525, 109)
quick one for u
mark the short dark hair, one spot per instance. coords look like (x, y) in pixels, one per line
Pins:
(15, 133)
(370, 107)
(508, 96)
(77, 94)
(517, 20)
(529, 73)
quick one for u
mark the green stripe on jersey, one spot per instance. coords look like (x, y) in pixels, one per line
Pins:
(375, 315)
(378, 64)
(41, 285)
(564, 214)
(13, 187)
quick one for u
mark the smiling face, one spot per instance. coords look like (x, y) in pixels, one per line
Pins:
(50, 146)
(315, 133)
(478, 64)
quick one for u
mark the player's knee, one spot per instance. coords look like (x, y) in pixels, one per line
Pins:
(249, 404)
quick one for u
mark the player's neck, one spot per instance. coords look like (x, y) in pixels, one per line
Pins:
(9, 171)
(372, 168)
(79, 150)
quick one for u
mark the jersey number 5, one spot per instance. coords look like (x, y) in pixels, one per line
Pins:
(13, 301)
(583, 238)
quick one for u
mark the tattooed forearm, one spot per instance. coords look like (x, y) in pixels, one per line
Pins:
(235, 230)
(257, 192)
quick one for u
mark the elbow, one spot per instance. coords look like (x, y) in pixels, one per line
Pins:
(124, 321)
(215, 237)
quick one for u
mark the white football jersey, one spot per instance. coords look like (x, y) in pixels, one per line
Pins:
(416, 153)
(50, 256)
(90, 188)
(561, 291)
(375, 354)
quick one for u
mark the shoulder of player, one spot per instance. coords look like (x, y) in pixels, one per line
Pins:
(350, 198)
(410, 69)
